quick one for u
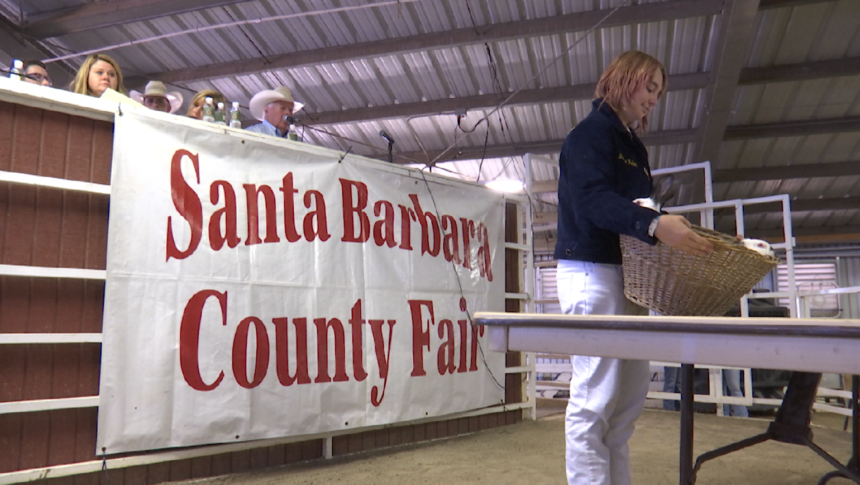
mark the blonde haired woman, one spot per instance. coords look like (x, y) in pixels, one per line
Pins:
(97, 73)
(603, 168)
(195, 110)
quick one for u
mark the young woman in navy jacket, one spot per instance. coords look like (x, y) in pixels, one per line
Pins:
(603, 168)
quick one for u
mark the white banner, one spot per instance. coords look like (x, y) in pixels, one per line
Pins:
(258, 288)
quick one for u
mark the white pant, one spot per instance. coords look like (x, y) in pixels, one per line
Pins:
(606, 395)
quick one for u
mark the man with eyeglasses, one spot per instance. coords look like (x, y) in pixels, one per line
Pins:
(35, 72)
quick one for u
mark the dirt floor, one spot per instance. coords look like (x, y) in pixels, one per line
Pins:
(533, 452)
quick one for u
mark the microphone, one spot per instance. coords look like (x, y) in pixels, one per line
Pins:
(384, 134)
(289, 119)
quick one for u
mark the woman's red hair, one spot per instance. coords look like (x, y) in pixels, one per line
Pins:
(624, 74)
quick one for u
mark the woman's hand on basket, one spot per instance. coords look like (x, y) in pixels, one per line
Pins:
(675, 231)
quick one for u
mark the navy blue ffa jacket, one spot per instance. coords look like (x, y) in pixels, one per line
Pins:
(604, 167)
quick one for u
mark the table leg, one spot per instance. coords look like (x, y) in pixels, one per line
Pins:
(854, 462)
(686, 448)
(855, 425)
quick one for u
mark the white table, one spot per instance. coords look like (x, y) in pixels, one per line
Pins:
(811, 346)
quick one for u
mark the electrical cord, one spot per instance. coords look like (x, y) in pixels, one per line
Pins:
(550, 64)
(459, 283)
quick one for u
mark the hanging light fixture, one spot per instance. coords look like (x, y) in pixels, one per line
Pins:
(505, 185)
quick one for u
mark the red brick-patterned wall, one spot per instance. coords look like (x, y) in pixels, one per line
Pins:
(513, 382)
(58, 228)
(52, 228)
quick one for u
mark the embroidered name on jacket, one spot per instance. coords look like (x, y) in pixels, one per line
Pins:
(628, 161)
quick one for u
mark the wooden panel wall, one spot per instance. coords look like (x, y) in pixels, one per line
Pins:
(51, 228)
(513, 382)
(57, 228)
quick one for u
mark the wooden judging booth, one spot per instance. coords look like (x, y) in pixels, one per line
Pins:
(56, 152)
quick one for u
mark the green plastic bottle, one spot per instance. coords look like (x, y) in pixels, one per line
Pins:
(209, 110)
(235, 116)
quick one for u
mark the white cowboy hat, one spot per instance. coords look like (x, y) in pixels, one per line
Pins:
(261, 99)
(157, 89)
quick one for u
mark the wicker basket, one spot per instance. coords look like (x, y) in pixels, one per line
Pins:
(672, 282)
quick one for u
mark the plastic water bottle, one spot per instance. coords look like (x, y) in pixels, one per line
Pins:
(292, 134)
(17, 71)
(208, 110)
(220, 115)
(235, 116)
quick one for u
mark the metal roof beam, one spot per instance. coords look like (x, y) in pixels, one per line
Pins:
(786, 172)
(561, 24)
(849, 66)
(736, 31)
(722, 176)
(542, 186)
(440, 106)
(476, 152)
(674, 137)
(96, 15)
(443, 106)
(769, 4)
(671, 137)
(793, 128)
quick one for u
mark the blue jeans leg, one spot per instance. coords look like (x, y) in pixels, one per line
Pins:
(732, 387)
(671, 384)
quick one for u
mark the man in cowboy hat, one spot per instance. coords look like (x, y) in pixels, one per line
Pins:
(272, 107)
(156, 97)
